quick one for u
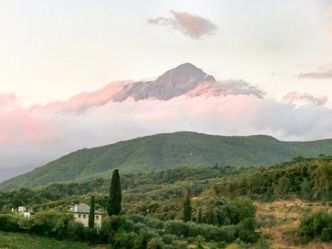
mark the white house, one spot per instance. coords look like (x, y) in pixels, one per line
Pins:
(81, 214)
(26, 214)
(21, 209)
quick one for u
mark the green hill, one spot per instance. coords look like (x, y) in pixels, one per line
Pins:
(166, 151)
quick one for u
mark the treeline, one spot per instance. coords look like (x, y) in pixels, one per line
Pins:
(308, 179)
(159, 193)
(136, 183)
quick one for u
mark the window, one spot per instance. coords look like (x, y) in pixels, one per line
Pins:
(79, 215)
(97, 217)
(84, 216)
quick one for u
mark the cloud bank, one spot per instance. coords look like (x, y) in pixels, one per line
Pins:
(188, 24)
(31, 137)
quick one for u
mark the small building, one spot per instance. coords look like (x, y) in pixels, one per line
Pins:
(21, 209)
(27, 214)
(81, 214)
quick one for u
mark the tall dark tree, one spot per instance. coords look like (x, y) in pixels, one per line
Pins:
(114, 201)
(92, 213)
(187, 206)
(199, 216)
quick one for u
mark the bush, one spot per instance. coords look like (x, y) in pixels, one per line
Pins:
(155, 243)
(246, 230)
(208, 232)
(180, 244)
(317, 224)
(76, 231)
(168, 238)
(177, 227)
(9, 223)
(51, 224)
(123, 239)
(141, 240)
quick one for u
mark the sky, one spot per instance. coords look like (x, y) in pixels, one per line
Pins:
(51, 51)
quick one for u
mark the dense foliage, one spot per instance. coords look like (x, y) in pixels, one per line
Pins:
(309, 179)
(167, 151)
(316, 225)
(133, 184)
(217, 206)
(141, 232)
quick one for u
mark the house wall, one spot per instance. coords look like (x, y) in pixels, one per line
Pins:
(84, 219)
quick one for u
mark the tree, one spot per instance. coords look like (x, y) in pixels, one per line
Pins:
(114, 201)
(187, 207)
(92, 213)
(199, 216)
(283, 186)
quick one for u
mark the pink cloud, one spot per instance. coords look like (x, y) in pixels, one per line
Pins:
(84, 101)
(7, 101)
(189, 24)
(322, 74)
(294, 97)
(18, 125)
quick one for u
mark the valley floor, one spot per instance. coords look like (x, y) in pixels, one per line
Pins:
(279, 218)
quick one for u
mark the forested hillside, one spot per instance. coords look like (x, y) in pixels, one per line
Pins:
(167, 151)
(223, 203)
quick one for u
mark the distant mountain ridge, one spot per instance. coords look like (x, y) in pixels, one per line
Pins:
(166, 151)
(183, 80)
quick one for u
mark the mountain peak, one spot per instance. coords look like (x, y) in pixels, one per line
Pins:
(173, 83)
(185, 73)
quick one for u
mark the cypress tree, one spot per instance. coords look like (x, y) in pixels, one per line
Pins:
(114, 201)
(187, 207)
(92, 213)
(199, 215)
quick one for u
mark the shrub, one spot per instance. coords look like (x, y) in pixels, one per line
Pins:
(124, 239)
(9, 223)
(180, 244)
(168, 238)
(51, 224)
(169, 247)
(246, 230)
(155, 243)
(76, 231)
(317, 224)
(177, 227)
(141, 240)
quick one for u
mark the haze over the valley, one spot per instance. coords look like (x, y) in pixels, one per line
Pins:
(71, 78)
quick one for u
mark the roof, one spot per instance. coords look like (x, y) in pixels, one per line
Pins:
(82, 208)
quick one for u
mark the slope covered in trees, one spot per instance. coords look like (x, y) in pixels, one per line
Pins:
(221, 209)
(304, 178)
(167, 151)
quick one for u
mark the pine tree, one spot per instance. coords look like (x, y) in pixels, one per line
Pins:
(114, 201)
(187, 207)
(199, 216)
(92, 213)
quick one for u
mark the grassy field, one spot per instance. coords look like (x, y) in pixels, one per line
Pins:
(279, 218)
(25, 241)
